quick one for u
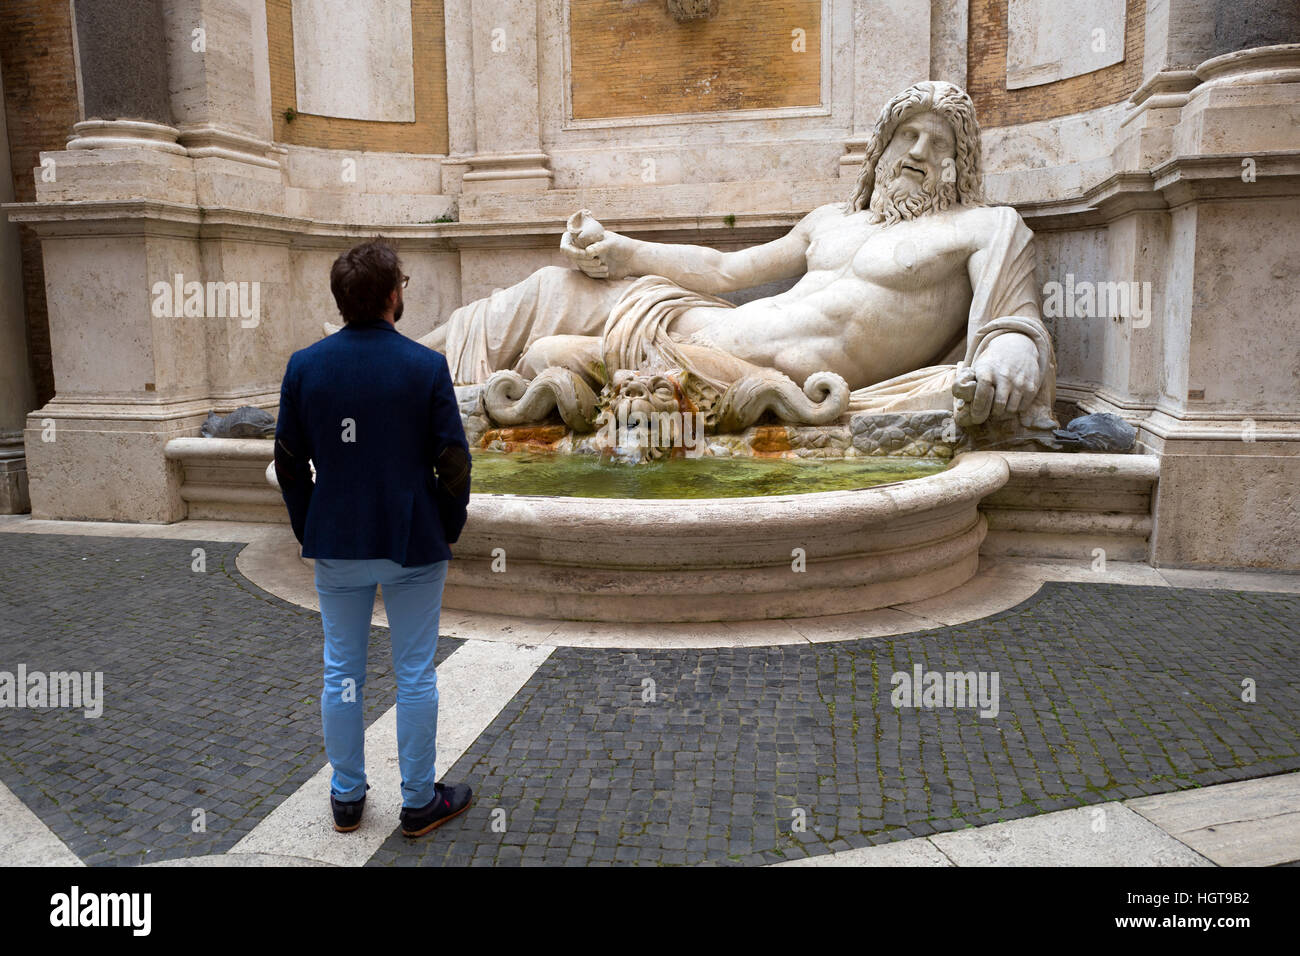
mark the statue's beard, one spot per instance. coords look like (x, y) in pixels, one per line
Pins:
(896, 198)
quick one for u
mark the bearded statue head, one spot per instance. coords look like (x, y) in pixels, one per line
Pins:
(888, 191)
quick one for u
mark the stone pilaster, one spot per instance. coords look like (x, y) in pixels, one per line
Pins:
(1227, 420)
(508, 155)
(218, 79)
(891, 51)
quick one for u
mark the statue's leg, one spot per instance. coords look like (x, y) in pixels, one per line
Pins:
(580, 354)
(494, 333)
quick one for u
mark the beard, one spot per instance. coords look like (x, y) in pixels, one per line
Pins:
(896, 199)
(397, 312)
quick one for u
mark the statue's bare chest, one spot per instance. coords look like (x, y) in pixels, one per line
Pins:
(905, 255)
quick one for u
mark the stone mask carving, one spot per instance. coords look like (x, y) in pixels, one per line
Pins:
(642, 416)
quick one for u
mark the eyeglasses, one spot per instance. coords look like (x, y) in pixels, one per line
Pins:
(406, 280)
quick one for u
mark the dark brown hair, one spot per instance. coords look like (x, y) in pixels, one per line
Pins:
(363, 278)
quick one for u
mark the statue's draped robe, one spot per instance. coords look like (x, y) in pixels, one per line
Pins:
(493, 333)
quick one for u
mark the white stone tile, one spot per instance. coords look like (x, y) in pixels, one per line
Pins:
(25, 840)
(981, 596)
(1281, 581)
(883, 622)
(1078, 837)
(239, 859)
(1250, 823)
(917, 852)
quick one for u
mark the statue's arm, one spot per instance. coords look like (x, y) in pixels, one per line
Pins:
(1007, 368)
(700, 268)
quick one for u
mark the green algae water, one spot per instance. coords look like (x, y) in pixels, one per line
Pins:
(586, 476)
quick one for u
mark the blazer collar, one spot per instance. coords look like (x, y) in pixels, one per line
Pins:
(379, 324)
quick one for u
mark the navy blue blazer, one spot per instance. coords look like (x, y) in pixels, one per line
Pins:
(377, 415)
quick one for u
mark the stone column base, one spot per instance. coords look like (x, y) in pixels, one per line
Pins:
(507, 172)
(14, 497)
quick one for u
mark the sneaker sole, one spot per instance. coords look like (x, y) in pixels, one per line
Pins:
(339, 829)
(437, 823)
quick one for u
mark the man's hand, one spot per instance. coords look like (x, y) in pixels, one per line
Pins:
(597, 251)
(1006, 377)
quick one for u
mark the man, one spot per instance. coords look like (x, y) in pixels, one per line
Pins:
(912, 288)
(376, 413)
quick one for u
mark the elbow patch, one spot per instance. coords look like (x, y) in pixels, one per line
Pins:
(453, 470)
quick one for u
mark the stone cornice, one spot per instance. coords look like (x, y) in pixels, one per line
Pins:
(1171, 184)
(157, 217)
(1175, 182)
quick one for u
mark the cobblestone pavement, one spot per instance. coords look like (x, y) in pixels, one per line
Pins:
(616, 756)
(211, 690)
(1106, 692)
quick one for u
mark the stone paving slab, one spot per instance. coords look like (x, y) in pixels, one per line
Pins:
(918, 852)
(758, 755)
(211, 688)
(25, 840)
(1104, 835)
(1251, 823)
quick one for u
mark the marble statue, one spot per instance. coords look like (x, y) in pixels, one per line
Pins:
(913, 295)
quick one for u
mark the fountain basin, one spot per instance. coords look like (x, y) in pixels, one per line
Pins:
(727, 559)
(720, 559)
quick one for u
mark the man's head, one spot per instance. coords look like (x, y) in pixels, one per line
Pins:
(367, 282)
(922, 156)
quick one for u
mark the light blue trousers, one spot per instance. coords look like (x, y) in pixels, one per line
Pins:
(413, 600)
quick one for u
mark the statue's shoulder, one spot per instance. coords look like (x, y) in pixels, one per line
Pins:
(989, 222)
(827, 216)
(828, 211)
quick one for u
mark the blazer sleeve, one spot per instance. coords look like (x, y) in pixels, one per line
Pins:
(450, 456)
(293, 454)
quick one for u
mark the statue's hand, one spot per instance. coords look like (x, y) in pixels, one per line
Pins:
(581, 259)
(1006, 377)
(583, 231)
(597, 251)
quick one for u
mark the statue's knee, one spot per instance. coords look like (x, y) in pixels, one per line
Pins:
(554, 273)
(535, 358)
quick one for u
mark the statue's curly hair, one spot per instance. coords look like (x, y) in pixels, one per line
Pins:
(953, 104)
